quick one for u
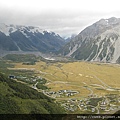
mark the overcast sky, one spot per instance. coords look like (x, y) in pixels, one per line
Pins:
(64, 17)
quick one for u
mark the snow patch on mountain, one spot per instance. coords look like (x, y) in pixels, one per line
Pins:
(73, 50)
(98, 42)
(17, 47)
(117, 50)
(36, 30)
(7, 29)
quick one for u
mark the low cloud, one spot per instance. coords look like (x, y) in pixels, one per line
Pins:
(63, 22)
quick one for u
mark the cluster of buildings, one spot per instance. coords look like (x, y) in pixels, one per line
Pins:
(62, 93)
(93, 103)
(100, 105)
(32, 79)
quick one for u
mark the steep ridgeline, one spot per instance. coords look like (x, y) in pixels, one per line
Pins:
(98, 42)
(28, 38)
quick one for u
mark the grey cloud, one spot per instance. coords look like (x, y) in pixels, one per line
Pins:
(64, 23)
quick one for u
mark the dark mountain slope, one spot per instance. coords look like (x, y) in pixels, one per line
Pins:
(29, 38)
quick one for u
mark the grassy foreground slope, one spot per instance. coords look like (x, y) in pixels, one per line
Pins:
(17, 98)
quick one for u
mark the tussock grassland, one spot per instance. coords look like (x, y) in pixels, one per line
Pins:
(81, 76)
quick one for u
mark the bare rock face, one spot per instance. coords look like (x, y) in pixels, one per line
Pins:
(98, 42)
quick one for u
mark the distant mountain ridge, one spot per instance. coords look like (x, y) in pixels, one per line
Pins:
(68, 39)
(28, 38)
(98, 42)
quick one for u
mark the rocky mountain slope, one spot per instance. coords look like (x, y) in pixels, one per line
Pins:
(28, 38)
(98, 42)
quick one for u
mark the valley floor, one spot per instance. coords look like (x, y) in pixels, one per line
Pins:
(80, 87)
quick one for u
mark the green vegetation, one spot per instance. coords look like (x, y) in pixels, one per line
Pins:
(29, 63)
(18, 98)
(94, 101)
(4, 64)
(92, 81)
(8, 106)
(40, 86)
(41, 83)
(30, 58)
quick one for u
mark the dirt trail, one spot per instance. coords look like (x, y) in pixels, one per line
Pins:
(105, 85)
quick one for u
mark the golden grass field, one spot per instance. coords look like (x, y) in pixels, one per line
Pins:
(85, 77)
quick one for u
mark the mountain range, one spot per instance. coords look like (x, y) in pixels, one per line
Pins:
(98, 42)
(28, 38)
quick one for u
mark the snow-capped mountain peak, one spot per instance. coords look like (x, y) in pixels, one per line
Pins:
(98, 42)
(28, 38)
(8, 29)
